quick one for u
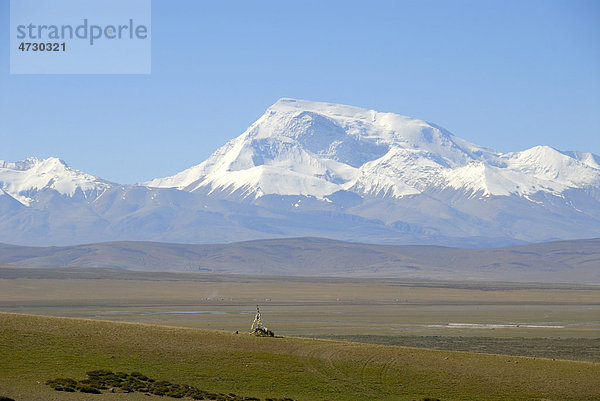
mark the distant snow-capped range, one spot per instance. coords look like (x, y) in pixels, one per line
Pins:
(316, 149)
(356, 174)
(26, 177)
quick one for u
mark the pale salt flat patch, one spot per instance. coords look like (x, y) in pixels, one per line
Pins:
(185, 312)
(493, 326)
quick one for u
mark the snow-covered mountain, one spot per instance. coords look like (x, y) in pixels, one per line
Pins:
(316, 149)
(322, 170)
(24, 179)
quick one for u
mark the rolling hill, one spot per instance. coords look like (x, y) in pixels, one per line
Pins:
(575, 261)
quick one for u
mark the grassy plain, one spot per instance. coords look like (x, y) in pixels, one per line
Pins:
(308, 306)
(535, 320)
(34, 349)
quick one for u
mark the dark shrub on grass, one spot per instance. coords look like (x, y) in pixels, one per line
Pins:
(162, 383)
(126, 383)
(139, 376)
(103, 379)
(137, 386)
(126, 388)
(2, 398)
(99, 373)
(178, 391)
(88, 389)
(198, 394)
(67, 384)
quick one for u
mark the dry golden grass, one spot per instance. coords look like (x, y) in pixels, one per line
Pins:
(295, 306)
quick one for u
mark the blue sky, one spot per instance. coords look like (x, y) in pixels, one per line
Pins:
(503, 74)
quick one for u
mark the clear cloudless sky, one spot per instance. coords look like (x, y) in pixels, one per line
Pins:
(503, 74)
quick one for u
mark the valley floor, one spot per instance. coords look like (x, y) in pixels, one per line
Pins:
(35, 349)
(541, 322)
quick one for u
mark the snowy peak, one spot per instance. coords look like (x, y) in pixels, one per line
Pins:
(337, 171)
(541, 168)
(589, 159)
(300, 147)
(23, 179)
(340, 111)
(33, 162)
(324, 120)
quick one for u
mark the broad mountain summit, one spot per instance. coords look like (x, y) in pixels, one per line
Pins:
(318, 169)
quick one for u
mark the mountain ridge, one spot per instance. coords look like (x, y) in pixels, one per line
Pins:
(562, 261)
(319, 169)
(321, 148)
(20, 179)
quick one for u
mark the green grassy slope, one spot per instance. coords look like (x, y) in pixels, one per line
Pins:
(575, 349)
(34, 349)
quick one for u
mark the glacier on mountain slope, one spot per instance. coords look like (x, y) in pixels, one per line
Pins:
(24, 178)
(315, 149)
